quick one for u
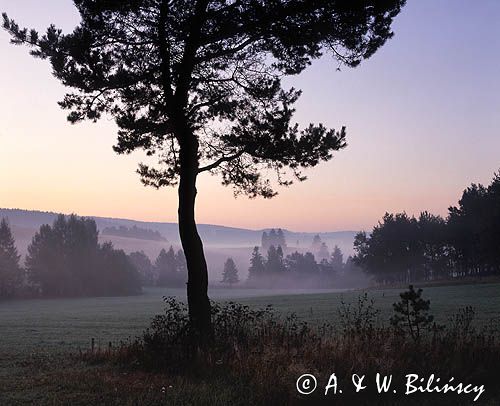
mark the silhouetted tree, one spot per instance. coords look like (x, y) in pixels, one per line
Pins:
(316, 243)
(257, 265)
(275, 237)
(199, 84)
(350, 265)
(474, 230)
(274, 261)
(117, 274)
(167, 269)
(392, 252)
(303, 265)
(144, 266)
(411, 313)
(11, 276)
(280, 239)
(134, 232)
(323, 253)
(337, 259)
(230, 273)
(433, 236)
(65, 259)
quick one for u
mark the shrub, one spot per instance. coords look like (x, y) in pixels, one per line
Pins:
(258, 352)
(358, 319)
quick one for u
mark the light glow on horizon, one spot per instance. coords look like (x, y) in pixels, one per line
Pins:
(422, 120)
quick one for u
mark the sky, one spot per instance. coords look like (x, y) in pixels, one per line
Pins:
(422, 118)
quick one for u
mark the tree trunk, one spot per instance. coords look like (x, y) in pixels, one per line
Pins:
(197, 286)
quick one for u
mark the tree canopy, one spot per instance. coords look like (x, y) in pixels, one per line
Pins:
(198, 84)
(230, 272)
(465, 244)
(65, 259)
(214, 68)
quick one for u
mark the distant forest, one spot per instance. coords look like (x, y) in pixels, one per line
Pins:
(134, 232)
(277, 270)
(168, 270)
(465, 244)
(65, 260)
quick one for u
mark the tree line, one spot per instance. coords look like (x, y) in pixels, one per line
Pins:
(134, 232)
(168, 270)
(301, 269)
(274, 237)
(403, 248)
(65, 259)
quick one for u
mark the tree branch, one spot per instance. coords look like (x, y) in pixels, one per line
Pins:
(221, 161)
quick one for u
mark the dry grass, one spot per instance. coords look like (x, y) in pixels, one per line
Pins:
(257, 356)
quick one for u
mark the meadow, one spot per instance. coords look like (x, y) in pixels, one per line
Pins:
(40, 343)
(59, 325)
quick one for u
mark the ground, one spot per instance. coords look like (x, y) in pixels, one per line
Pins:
(38, 335)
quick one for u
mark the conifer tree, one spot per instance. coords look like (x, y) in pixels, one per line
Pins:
(10, 271)
(198, 83)
(257, 265)
(230, 273)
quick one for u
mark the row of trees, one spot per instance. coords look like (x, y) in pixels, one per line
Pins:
(274, 237)
(465, 244)
(65, 259)
(168, 270)
(134, 232)
(277, 268)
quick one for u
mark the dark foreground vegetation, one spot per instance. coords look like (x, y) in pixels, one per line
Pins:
(257, 356)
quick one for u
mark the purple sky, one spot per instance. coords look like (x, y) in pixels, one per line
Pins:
(422, 118)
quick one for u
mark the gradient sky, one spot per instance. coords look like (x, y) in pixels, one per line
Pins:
(422, 115)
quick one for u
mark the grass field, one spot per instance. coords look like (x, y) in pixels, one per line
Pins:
(36, 335)
(68, 324)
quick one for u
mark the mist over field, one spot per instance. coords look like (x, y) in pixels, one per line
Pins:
(373, 121)
(220, 242)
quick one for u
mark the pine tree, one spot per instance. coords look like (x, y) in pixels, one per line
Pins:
(230, 273)
(166, 268)
(144, 266)
(274, 261)
(10, 271)
(169, 72)
(280, 239)
(337, 259)
(323, 252)
(411, 314)
(316, 244)
(257, 265)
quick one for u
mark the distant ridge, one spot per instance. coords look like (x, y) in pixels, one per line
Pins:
(214, 235)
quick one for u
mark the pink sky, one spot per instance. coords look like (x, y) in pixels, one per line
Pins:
(422, 118)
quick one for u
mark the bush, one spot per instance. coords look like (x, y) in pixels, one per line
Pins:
(260, 354)
(360, 319)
